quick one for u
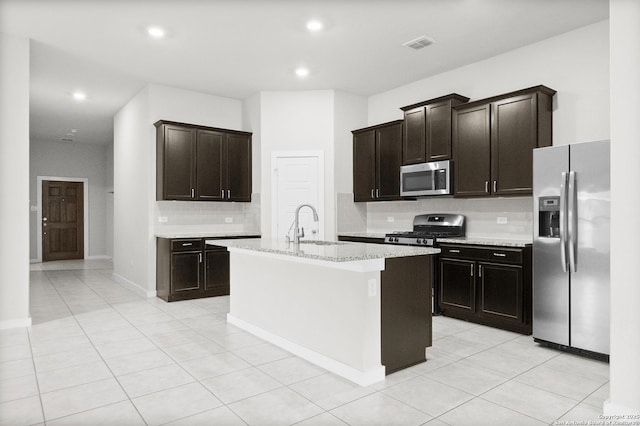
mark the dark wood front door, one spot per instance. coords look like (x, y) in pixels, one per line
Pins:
(62, 220)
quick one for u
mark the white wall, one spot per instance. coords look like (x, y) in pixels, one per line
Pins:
(296, 121)
(108, 182)
(14, 182)
(625, 209)
(72, 159)
(135, 208)
(576, 64)
(133, 193)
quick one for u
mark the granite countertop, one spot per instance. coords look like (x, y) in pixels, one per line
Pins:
(489, 241)
(330, 251)
(212, 234)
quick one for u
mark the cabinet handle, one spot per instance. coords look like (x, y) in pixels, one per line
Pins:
(454, 251)
(373, 193)
(486, 186)
(200, 257)
(499, 254)
(378, 193)
(495, 186)
(193, 191)
(479, 271)
(187, 244)
(222, 193)
(471, 269)
(228, 193)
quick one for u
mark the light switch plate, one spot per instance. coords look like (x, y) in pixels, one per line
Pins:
(391, 219)
(228, 220)
(163, 219)
(502, 220)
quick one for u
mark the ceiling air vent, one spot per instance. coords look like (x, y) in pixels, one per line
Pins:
(419, 43)
(66, 139)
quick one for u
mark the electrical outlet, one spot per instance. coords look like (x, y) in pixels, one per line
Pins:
(391, 219)
(228, 220)
(163, 219)
(502, 220)
(373, 287)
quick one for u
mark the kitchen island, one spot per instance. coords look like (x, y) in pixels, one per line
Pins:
(358, 310)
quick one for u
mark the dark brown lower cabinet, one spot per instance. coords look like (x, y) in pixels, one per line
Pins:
(487, 285)
(405, 311)
(188, 268)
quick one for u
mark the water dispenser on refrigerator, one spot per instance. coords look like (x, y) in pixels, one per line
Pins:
(549, 217)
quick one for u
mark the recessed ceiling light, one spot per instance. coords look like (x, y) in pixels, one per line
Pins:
(79, 96)
(302, 72)
(314, 25)
(156, 32)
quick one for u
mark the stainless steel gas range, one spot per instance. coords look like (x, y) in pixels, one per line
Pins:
(427, 228)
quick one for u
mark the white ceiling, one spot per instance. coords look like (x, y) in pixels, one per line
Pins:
(235, 48)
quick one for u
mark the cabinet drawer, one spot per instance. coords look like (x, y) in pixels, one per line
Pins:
(187, 244)
(503, 255)
(461, 252)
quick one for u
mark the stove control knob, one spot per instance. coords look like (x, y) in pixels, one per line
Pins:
(418, 241)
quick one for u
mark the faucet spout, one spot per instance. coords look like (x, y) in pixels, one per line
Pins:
(297, 233)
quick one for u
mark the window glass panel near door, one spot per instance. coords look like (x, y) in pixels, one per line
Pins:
(297, 178)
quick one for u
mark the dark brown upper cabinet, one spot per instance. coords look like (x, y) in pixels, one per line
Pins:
(494, 139)
(377, 156)
(427, 129)
(198, 163)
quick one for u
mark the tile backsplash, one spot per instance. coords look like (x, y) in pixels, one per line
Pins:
(481, 215)
(205, 216)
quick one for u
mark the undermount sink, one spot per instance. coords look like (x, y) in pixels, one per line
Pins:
(322, 243)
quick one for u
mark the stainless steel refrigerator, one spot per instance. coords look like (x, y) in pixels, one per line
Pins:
(571, 199)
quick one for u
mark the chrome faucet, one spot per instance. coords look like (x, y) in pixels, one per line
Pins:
(297, 234)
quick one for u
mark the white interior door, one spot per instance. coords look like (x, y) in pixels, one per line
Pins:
(298, 179)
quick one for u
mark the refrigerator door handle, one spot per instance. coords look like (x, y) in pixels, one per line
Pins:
(572, 222)
(563, 221)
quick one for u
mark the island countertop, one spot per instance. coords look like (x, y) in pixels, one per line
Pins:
(331, 251)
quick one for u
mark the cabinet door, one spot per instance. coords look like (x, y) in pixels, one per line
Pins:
(457, 285)
(179, 163)
(471, 151)
(216, 274)
(438, 131)
(209, 170)
(414, 136)
(238, 167)
(501, 291)
(364, 165)
(513, 138)
(388, 161)
(186, 271)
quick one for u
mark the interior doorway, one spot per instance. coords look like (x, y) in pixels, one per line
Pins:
(62, 222)
(298, 178)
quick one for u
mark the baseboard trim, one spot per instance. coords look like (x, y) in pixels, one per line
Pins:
(15, 323)
(362, 378)
(98, 257)
(618, 414)
(34, 261)
(130, 285)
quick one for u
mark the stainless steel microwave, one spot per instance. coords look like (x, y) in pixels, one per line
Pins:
(432, 178)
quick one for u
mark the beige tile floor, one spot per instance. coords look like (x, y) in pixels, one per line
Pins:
(99, 354)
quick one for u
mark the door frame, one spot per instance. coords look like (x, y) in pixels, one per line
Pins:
(275, 155)
(85, 196)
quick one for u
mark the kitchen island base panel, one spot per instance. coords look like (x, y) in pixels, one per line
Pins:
(362, 378)
(360, 324)
(329, 311)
